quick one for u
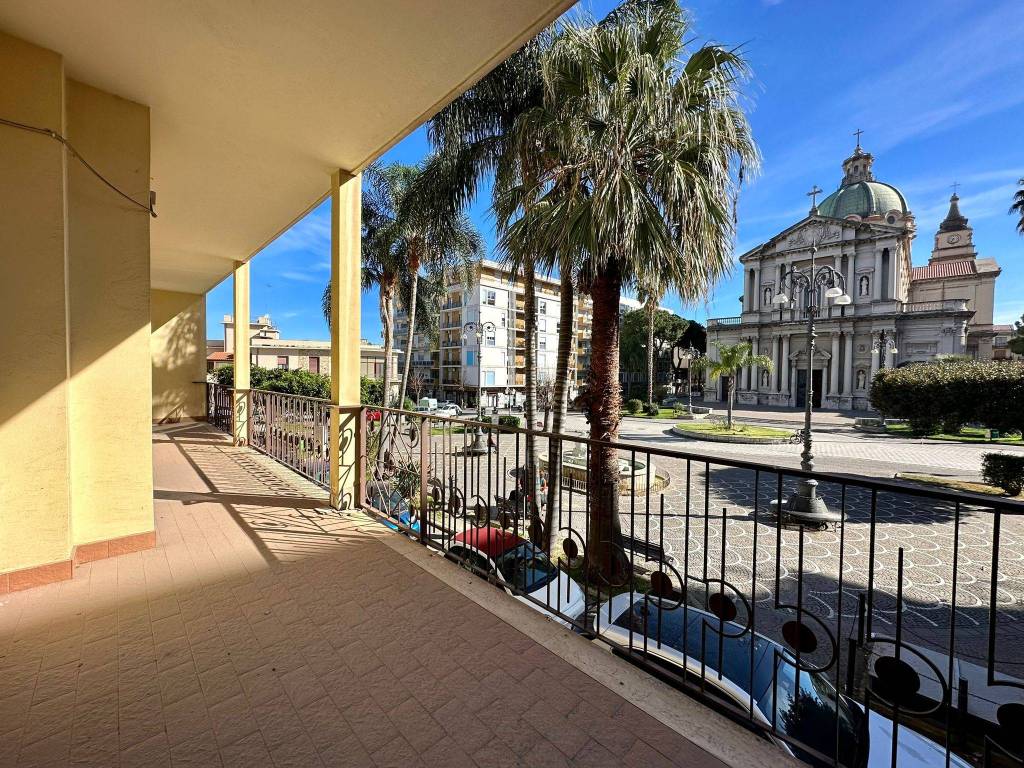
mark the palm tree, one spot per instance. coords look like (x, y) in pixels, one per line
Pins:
(383, 260)
(650, 293)
(1017, 209)
(480, 135)
(651, 150)
(731, 359)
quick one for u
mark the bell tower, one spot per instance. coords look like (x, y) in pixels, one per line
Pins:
(954, 240)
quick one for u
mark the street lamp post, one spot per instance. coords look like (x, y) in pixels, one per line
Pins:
(690, 355)
(805, 507)
(478, 331)
(884, 343)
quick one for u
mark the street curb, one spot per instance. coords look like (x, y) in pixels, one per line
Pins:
(729, 438)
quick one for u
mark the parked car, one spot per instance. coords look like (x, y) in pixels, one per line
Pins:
(806, 711)
(519, 567)
(447, 410)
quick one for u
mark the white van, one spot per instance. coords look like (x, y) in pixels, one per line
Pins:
(427, 405)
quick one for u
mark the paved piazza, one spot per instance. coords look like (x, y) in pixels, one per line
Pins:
(925, 530)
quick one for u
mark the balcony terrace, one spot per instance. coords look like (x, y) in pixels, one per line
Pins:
(268, 629)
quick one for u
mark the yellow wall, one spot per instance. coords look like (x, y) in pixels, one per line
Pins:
(108, 259)
(75, 441)
(179, 355)
(34, 489)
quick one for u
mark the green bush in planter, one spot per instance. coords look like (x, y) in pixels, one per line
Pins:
(509, 421)
(652, 409)
(1003, 470)
(634, 406)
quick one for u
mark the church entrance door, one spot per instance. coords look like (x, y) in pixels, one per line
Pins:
(801, 388)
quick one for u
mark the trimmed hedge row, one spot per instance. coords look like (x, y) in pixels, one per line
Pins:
(947, 395)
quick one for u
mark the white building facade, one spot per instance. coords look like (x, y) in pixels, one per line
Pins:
(900, 314)
(498, 360)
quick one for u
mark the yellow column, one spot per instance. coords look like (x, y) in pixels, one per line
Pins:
(346, 200)
(240, 410)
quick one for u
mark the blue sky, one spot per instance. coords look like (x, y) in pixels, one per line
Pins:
(934, 84)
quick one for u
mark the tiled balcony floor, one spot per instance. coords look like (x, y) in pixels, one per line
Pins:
(263, 632)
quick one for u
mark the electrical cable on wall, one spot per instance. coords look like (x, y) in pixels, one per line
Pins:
(74, 153)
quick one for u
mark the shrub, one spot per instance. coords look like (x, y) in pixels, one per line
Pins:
(296, 382)
(634, 406)
(653, 409)
(408, 404)
(679, 408)
(1003, 470)
(508, 421)
(952, 393)
(660, 393)
(371, 391)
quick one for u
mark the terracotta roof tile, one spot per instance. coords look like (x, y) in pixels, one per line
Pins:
(944, 269)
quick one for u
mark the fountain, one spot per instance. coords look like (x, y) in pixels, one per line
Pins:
(635, 477)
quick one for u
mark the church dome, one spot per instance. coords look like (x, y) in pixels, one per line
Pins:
(860, 194)
(863, 198)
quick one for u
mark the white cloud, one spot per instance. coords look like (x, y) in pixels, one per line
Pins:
(301, 277)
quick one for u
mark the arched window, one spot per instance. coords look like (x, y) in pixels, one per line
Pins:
(864, 286)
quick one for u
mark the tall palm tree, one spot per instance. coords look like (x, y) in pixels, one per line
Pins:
(383, 260)
(650, 293)
(732, 358)
(651, 153)
(480, 136)
(1017, 209)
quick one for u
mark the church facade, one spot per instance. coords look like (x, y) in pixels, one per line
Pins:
(899, 314)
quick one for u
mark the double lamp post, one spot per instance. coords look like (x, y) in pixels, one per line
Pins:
(816, 285)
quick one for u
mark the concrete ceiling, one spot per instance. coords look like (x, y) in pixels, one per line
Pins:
(254, 102)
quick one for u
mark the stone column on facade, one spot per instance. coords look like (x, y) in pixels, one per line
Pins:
(876, 277)
(755, 301)
(785, 363)
(894, 263)
(777, 368)
(848, 365)
(833, 372)
(876, 355)
(851, 276)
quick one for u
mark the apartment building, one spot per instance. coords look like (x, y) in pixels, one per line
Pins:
(450, 368)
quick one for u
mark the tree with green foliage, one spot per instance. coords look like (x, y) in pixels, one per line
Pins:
(731, 359)
(1016, 341)
(650, 145)
(371, 391)
(638, 331)
(1017, 209)
(289, 382)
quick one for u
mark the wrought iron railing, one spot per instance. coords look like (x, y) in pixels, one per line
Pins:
(895, 636)
(219, 406)
(897, 632)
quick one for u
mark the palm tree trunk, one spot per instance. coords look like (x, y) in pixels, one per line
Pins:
(650, 349)
(566, 316)
(605, 560)
(387, 317)
(732, 388)
(530, 409)
(414, 269)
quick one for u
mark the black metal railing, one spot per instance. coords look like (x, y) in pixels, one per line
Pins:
(894, 637)
(897, 632)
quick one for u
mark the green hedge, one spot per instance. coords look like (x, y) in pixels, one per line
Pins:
(509, 421)
(947, 395)
(1003, 470)
(280, 380)
(634, 406)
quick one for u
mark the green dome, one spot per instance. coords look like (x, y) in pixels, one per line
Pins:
(863, 198)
